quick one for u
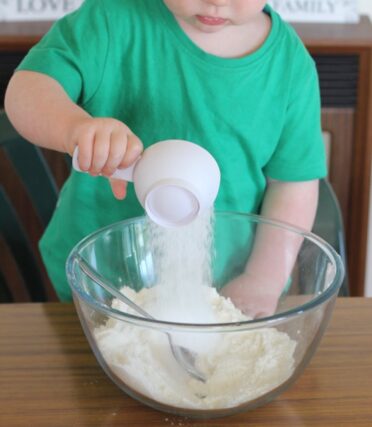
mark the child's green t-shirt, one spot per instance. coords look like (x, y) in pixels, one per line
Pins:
(259, 115)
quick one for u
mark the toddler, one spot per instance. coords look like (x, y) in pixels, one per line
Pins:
(116, 76)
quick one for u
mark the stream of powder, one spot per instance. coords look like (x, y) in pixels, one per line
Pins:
(182, 264)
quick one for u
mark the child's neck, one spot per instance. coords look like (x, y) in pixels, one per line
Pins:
(233, 41)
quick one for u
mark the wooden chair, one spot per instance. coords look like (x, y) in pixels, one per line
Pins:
(28, 194)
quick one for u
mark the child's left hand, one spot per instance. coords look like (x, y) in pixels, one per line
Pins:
(253, 297)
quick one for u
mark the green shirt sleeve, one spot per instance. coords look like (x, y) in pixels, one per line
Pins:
(300, 153)
(74, 51)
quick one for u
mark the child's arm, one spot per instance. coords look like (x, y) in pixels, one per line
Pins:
(42, 113)
(256, 292)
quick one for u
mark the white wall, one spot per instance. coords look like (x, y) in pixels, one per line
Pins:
(365, 7)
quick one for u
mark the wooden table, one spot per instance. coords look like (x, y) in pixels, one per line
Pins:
(49, 377)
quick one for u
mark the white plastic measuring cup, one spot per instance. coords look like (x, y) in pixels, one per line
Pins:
(174, 181)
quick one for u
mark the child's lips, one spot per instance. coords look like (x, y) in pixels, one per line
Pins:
(211, 20)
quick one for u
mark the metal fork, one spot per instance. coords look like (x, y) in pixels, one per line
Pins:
(184, 356)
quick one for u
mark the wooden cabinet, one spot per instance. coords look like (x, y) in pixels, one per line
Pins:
(343, 54)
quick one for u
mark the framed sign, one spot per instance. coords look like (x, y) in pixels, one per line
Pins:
(341, 11)
(36, 10)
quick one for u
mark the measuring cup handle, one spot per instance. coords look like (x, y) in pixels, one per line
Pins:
(123, 174)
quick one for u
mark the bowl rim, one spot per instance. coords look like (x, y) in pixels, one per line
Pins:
(268, 321)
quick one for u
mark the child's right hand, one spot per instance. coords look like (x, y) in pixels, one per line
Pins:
(105, 144)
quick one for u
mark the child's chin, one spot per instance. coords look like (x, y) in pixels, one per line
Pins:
(209, 28)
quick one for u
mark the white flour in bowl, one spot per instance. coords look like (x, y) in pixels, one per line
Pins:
(239, 366)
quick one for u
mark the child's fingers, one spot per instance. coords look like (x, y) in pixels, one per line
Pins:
(119, 188)
(85, 143)
(254, 298)
(101, 149)
(134, 149)
(118, 146)
(106, 145)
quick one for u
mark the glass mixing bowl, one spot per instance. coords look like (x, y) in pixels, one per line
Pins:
(247, 362)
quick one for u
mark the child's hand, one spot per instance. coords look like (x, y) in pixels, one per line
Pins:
(252, 297)
(105, 145)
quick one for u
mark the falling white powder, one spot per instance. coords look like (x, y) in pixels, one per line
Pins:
(182, 261)
(239, 366)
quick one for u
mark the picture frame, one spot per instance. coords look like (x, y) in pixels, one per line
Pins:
(320, 11)
(36, 10)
